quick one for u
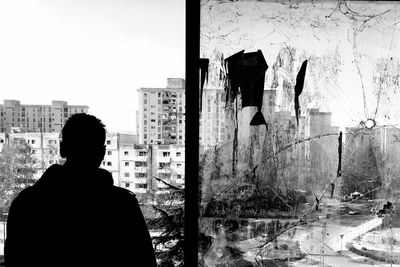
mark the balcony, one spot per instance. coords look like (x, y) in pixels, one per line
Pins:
(140, 158)
(140, 180)
(164, 159)
(139, 190)
(164, 170)
(141, 169)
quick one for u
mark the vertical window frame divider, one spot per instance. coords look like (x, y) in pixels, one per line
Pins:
(192, 56)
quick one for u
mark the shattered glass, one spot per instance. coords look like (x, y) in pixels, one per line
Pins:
(320, 184)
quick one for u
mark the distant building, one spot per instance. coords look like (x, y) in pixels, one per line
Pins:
(45, 147)
(214, 121)
(388, 139)
(17, 117)
(153, 163)
(161, 117)
(111, 158)
(136, 167)
(216, 125)
(319, 123)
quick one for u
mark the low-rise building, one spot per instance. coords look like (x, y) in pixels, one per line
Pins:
(138, 168)
(15, 116)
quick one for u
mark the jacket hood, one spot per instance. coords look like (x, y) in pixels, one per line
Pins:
(59, 175)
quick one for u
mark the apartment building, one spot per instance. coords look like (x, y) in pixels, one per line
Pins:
(138, 167)
(132, 166)
(45, 147)
(161, 117)
(168, 164)
(217, 125)
(111, 158)
(18, 117)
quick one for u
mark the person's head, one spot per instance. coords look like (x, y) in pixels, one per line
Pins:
(83, 138)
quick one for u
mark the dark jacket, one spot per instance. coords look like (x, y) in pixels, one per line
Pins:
(67, 220)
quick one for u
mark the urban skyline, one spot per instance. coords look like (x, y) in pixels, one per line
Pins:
(93, 52)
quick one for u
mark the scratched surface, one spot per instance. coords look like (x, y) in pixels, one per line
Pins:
(323, 174)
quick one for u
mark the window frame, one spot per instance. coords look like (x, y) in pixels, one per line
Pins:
(192, 56)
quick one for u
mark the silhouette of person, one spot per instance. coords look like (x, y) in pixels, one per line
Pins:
(74, 215)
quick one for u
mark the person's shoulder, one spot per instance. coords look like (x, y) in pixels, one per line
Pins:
(25, 198)
(123, 193)
(26, 193)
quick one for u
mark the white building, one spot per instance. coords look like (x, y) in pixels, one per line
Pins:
(45, 147)
(132, 166)
(111, 158)
(154, 163)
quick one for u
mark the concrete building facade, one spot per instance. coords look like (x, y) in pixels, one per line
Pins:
(161, 118)
(153, 163)
(44, 147)
(15, 116)
(216, 123)
(132, 166)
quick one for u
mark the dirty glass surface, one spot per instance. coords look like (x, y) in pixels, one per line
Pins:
(299, 133)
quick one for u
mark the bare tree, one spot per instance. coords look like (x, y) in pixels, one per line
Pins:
(17, 170)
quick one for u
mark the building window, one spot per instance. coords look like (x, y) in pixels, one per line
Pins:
(126, 164)
(109, 163)
(32, 142)
(126, 153)
(140, 164)
(126, 174)
(165, 154)
(142, 153)
(109, 152)
(163, 165)
(141, 186)
(178, 154)
(108, 142)
(145, 136)
(179, 176)
(140, 175)
(127, 185)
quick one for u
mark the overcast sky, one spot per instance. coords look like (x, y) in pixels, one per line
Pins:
(90, 52)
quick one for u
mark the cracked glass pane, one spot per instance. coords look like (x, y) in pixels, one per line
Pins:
(299, 133)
